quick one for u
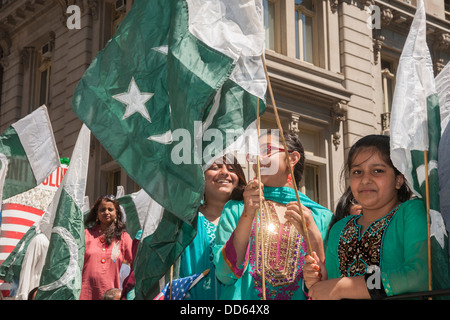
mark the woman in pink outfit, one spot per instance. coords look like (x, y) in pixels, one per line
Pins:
(108, 245)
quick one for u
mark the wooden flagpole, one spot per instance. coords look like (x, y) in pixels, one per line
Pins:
(260, 210)
(427, 191)
(308, 244)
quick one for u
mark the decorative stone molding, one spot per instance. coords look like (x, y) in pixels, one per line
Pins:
(338, 113)
(378, 40)
(439, 65)
(334, 4)
(21, 12)
(441, 40)
(386, 17)
(294, 123)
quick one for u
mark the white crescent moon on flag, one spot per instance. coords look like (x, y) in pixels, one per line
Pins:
(72, 268)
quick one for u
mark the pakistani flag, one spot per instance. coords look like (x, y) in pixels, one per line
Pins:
(63, 225)
(28, 153)
(443, 89)
(176, 85)
(415, 128)
(141, 212)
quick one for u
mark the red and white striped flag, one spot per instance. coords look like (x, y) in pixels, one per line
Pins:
(16, 220)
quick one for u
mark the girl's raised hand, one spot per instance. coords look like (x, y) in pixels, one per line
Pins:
(251, 198)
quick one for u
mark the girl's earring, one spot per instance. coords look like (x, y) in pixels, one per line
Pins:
(289, 179)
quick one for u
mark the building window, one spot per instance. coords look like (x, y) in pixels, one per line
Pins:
(44, 63)
(304, 30)
(311, 182)
(388, 86)
(113, 181)
(44, 85)
(272, 24)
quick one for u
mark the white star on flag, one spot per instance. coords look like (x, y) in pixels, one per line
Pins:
(135, 101)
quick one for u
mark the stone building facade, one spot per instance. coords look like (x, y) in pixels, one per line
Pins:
(332, 66)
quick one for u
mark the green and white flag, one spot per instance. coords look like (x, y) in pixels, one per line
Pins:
(28, 153)
(176, 85)
(415, 128)
(141, 212)
(63, 224)
(443, 89)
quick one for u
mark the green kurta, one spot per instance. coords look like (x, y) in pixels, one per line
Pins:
(197, 258)
(285, 247)
(403, 251)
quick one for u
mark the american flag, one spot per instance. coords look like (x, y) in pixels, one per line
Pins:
(180, 287)
(16, 219)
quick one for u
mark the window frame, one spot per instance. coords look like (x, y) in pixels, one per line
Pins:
(300, 41)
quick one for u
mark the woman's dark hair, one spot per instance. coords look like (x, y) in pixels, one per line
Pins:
(115, 230)
(382, 145)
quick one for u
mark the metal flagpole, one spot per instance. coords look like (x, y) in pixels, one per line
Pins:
(287, 156)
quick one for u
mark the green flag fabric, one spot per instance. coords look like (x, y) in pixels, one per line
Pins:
(140, 210)
(443, 89)
(63, 224)
(28, 153)
(415, 128)
(176, 86)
